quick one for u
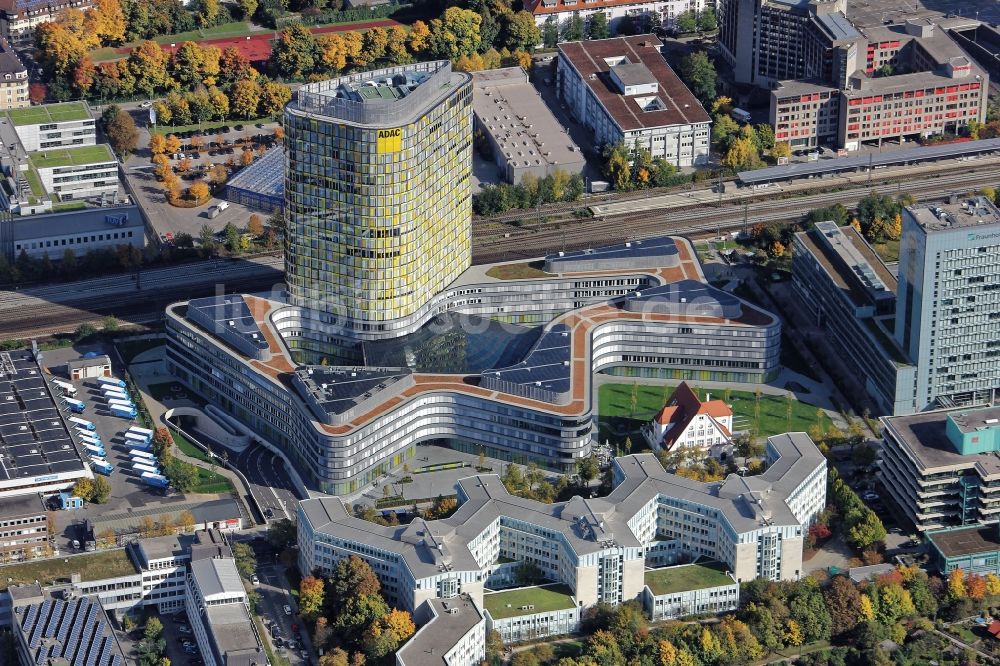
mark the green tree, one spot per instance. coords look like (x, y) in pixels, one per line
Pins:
(153, 629)
(282, 533)
(246, 561)
(686, 22)
(617, 166)
(232, 235)
(357, 613)
(588, 468)
(84, 331)
(148, 65)
(84, 489)
(311, 597)
(247, 7)
(698, 73)
(102, 490)
(742, 154)
(573, 29)
(273, 97)
(455, 33)
(706, 20)
(765, 137)
(724, 130)
(520, 31)
(597, 26)
(182, 475)
(292, 54)
(550, 32)
(351, 577)
(109, 324)
(866, 532)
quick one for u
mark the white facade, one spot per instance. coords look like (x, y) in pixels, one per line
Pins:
(67, 134)
(454, 630)
(615, 11)
(80, 181)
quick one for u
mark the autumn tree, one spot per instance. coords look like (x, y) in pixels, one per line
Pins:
(37, 92)
(419, 37)
(351, 576)
(331, 52)
(199, 190)
(781, 149)
(395, 46)
(244, 98)
(310, 597)
(122, 134)
(108, 21)
(292, 54)
(842, 601)
(84, 489)
(186, 521)
(386, 634)
(373, 44)
(273, 98)
(157, 144)
(234, 66)
(148, 64)
(255, 225)
(455, 33)
(617, 166)
(102, 490)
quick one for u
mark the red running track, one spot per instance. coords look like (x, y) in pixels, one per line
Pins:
(257, 46)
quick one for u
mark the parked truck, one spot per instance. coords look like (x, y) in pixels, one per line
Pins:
(214, 211)
(740, 115)
(124, 412)
(140, 454)
(121, 403)
(139, 468)
(110, 381)
(102, 466)
(156, 480)
(83, 432)
(138, 443)
(82, 423)
(65, 387)
(145, 432)
(95, 450)
(75, 406)
(115, 393)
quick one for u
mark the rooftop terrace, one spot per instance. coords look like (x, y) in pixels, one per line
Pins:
(671, 580)
(90, 566)
(49, 113)
(528, 601)
(62, 157)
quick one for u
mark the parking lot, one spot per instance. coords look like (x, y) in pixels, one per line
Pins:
(201, 151)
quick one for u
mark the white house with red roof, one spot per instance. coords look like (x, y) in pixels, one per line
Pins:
(686, 421)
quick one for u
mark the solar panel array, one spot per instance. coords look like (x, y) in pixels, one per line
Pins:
(543, 374)
(33, 438)
(229, 318)
(47, 626)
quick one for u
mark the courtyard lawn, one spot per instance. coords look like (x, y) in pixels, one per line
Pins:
(544, 599)
(212, 482)
(188, 447)
(687, 577)
(90, 566)
(206, 128)
(614, 403)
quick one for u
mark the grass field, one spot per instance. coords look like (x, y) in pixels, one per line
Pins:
(49, 113)
(34, 182)
(212, 482)
(248, 126)
(91, 566)
(60, 157)
(614, 401)
(687, 577)
(544, 598)
(69, 205)
(888, 251)
(187, 447)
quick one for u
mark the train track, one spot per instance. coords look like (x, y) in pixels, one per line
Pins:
(525, 244)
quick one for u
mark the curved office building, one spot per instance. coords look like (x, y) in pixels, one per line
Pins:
(519, 392)
(378, 198)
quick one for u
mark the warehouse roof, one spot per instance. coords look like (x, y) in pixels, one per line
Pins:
(592, 60)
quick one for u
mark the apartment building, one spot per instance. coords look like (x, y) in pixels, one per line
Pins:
(24, 531)
(848, 292)
(561, 11)
(219, 612)
(13, 79)
(19, 18)
(625, 92)
(599, 549)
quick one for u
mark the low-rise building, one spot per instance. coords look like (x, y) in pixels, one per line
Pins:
(597, 548)
(60, 125)
(452, 633)
(219, 612)
(78, 230)
(88, 367)
(523, 134)
(689, 589)
(942, 467)
(625, 92)
(687, 422)
(848, 292)
(76, 173)
(637, 12)
(13, 79)
(974, 549)
(530, 613)
(60, 628)
(24, 529)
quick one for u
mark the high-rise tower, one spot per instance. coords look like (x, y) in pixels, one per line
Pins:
(377, 194)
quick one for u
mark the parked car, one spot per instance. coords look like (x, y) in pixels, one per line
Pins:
(145, 105)
(870, 496)
(254, 579)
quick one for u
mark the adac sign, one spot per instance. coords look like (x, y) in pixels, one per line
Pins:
(389, 141)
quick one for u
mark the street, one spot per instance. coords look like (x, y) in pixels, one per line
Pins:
(270, 483)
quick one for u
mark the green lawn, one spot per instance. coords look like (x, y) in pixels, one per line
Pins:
(687, 577)
(68, 206)
(49, 113)
(888, 250)
(60, 157)
(544, 598)
(188, 447)
(614, 401)
(91, 566)
(129, 349)
(34, 182)
(212, 482)
(248, 126)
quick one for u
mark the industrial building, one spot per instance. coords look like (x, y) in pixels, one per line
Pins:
(497, 387)
(625, 92)
(948, 303)
(523, 134)
(848, 292)
(39, 454)
(387, 154)
(603, 550)
(13, 79)
(941, 467)
(78, 230)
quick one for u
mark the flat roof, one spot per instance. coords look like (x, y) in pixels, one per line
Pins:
(216, 576)
(841, 253)
(453, 619)
(966, 540)
(34, 440)
(51, 158)
(231, 628)
(837, 26)
(903, 156)
(514, 114)
(974, 212)
(974, 420)
(670, 580)
(91, 566)
(663, 247)
(73, 631)
(590, 60)
(924, 436)
(338, 389)
(541, 599)
(229, 317)
(50, 113)
(547, 365)
(86, 220)
(266, 176)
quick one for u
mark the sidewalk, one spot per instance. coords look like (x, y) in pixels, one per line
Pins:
(145, 370)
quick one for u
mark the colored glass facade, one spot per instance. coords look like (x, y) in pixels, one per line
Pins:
(379, 213)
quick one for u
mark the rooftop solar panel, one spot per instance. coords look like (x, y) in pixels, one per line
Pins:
(54, 618)
(29, 619)
(229, 317)
(43, 654)
(78, 624)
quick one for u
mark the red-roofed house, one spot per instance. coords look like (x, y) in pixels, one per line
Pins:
(687, 421)
(994, 629)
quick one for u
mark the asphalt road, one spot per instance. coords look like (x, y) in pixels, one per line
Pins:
(269, 481)
(274, 597)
